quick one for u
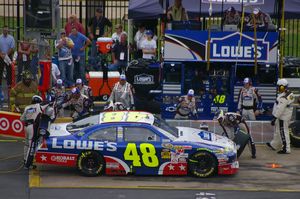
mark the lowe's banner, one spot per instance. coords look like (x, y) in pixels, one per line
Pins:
(247, 2)
(181, 45)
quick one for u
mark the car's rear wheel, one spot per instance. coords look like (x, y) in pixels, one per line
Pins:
(90, 163)
(202, 164)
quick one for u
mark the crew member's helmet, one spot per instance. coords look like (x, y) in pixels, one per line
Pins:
(36, 99)
(247, 80)
(191, 93)
(282, 85)
(78, 81)
(26, 77)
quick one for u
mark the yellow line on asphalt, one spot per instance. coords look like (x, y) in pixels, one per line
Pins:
(167, 188)
(9, 140)
(34, 178)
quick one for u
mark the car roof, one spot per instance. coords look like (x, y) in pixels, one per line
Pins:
(126, 117)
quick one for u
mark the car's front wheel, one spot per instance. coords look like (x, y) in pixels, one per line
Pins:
(90, 163)
(202, 164)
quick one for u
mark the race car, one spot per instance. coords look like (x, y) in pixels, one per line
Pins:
(133, 142)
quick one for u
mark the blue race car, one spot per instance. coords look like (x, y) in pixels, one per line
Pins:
(132, 142)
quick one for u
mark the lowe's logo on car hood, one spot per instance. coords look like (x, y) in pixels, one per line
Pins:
(227, 49)
(143, 79)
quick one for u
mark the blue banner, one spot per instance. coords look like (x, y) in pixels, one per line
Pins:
(182, 45)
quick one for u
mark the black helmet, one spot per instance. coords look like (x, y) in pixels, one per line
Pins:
(27, 75)
(36, 99)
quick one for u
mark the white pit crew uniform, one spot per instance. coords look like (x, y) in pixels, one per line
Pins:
(30, 116)
(86, 90)
(247, 100)
(282, 110)
(123, 94)
(81, 105)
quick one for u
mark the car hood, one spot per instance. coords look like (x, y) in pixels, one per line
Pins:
(59, 129)
(187, 134)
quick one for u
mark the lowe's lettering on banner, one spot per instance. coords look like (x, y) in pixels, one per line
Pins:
(181, 45)
(249, 2)
(227, 49)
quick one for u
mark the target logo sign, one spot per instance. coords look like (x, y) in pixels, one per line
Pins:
(17, 126)
(108, 46)
(10, 124)
(4, 124)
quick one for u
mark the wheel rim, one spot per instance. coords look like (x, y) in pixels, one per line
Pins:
(202, 164)
(91, 164)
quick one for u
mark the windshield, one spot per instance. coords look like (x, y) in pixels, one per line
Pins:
(165, 126)
(78, 125)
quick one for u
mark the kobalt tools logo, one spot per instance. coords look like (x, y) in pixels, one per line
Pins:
(87, 145)
(228, 49)
(62, 158)
(235, 1)
(144, 79)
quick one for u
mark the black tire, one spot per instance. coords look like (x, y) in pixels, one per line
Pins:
(295, 137)
(90, 163)
(203, 164)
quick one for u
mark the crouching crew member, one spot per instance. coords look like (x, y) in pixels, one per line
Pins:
(84, 89)
(282, 114)
(80, 103)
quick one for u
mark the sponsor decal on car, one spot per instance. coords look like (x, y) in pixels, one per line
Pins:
(63, 159)
(176, 147)
(165, 154)
(86, 145)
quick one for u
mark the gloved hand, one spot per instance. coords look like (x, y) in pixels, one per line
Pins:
(273, 121)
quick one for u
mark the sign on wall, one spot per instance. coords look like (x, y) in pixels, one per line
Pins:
(181, 45)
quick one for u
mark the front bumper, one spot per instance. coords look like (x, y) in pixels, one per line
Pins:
(228, 168)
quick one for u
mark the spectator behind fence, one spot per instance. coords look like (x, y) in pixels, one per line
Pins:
(116, 35)
(23, 57)
(262, 20)
(73, 22)
(138, 38)
(66, 65)
(40, 50)
(149, 46)
(177, 12)
(7, 45)
(81, 42)
(231, 17)
(119, 54)
(96, 29)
